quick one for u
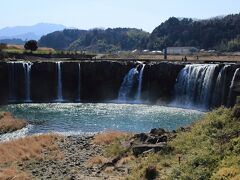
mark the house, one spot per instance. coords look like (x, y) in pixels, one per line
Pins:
(181, 50)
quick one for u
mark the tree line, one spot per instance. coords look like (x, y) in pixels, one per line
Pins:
(98, 40)
(220, 33)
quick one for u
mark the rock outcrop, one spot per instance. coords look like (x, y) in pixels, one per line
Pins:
(154, 141)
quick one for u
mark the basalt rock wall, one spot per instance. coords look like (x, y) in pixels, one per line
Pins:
(100, 81)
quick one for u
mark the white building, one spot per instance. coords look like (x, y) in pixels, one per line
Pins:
(181, 50)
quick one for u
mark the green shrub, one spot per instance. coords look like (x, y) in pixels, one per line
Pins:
(227, 173)
(209, 151)
(114, 149)
(236, 112)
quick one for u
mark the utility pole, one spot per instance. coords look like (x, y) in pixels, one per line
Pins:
(165, 53)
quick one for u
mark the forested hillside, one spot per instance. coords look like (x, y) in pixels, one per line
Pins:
(220, 33)
(61, 39)
(97, 40)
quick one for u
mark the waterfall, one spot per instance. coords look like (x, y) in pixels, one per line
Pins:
(194, 85)
(127, 85)
(127, 91)
(139, 90)
(79, 84)
(11, 70)
(59, 83)
(27, 80)
(221, 90)
(230, 95)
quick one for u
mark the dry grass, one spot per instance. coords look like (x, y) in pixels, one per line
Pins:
(17, 47)
(46, 49)
(125, 160)
(193, 58)
(96, 160)
(108, 137)
(21, 47)
(12, 48)
(13, 174)
(201, 57)
(9, 124)
(27, 148)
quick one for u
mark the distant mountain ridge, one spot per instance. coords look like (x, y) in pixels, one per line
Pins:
(220, 33)
(29, 32)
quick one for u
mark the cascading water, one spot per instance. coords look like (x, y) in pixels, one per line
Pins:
(79, 83)
(221, 90)
(194, 85)
(127, 91)
(139, 90)
(230, 95)
(198, 85)
(27, 80)
(59, 83)
(127, 85)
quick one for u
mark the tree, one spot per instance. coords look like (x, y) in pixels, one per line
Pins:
(3, 46)
(31, 45)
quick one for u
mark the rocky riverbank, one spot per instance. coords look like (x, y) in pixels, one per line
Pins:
(73, 157)
(93, 157)
(209, 149)
(70, 163)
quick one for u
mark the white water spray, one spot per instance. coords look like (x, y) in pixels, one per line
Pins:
(232, 86)
(127, 85)
(139, 90)
(194, 85)
(79, 83)
(27, 80)
(59, 83)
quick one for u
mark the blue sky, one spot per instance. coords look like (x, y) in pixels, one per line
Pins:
(85, 14)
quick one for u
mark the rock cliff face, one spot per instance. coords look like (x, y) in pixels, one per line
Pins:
(100, 81)
(159, 80)
(4, 83)
(86, 80)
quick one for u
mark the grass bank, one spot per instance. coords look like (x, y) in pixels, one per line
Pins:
(9, 124)
(22, 150)
(210, 150)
